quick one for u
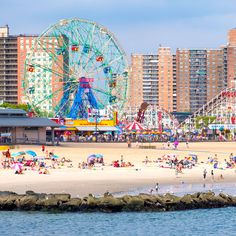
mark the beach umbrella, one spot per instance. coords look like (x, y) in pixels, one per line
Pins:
(31, 153)
(55, 156)
(99, 155)
(92, 155)
(17, 154)
(136, 126)
(16, 166)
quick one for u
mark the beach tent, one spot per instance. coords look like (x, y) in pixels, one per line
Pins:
(95, 158)
(135, 125)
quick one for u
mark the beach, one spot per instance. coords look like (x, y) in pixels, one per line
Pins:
(97, 180)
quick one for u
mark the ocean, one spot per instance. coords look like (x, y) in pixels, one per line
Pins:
(193, 222)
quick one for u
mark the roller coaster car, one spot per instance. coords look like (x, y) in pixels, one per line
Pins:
(99, 59)
(31, 90)
(60, 51)
(31, 68)
(86, 48)
(74, 48)
(107, 70)
(114, 75)
(112, 99)
(125, 73)
(112, 84)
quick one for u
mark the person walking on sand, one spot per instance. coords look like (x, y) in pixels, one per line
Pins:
(157, 187)
(204, 174)
(187, 146)
(212, 174)
(121, 159)
(43, 148)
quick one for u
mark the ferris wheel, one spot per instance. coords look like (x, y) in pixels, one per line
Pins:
(74, 67)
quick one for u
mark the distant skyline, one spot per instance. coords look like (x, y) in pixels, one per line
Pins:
(139, 26)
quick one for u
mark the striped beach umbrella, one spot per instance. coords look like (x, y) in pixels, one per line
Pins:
(135, 126)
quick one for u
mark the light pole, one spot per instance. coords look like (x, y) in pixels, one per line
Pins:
(96, 124)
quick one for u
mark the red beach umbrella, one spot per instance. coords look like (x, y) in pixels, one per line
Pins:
(135, 126)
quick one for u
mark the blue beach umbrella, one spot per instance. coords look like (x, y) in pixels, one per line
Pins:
(55, 156)
(92, 155)
(99, 155)
(31, 153)
(17, 154)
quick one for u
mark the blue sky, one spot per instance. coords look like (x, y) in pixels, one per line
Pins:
(140, 26)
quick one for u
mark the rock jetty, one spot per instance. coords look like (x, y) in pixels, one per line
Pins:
(31, 201)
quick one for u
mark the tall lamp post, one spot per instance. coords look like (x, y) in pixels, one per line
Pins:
(96, 124)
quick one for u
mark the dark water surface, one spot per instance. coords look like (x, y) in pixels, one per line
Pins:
(195, 222)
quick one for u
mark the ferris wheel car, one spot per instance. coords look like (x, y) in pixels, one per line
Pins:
(107, 70)
(86, 48)
(60, 51)
(75, 48)
(31, 90)
(99, 59)
(31, 68)
(112, 84)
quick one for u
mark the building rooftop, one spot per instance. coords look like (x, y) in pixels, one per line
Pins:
(27, 122)
(19, 118)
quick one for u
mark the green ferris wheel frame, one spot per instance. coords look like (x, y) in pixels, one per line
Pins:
(76, 65)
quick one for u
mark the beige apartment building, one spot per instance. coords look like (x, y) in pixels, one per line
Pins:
(152, 80)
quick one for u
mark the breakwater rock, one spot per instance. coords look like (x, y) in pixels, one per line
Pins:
(31, 201)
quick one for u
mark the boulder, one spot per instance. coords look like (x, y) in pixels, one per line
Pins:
(5, 193)
(110, 204)
(152, 202)
(89, 203)
(72, 205)
(47, 204)
(133, 203)
(63, 197)
(8, 202)
(27, 202)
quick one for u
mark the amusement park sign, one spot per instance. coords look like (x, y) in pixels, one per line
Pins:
(228, 94)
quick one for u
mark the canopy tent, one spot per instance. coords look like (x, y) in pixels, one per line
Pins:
(135, 125)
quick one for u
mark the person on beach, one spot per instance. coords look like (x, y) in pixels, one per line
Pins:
(157, 187)
(168, 144)
(146, 160)
(212, 174)
(129, 143)
(121, 159)
(204, 174)
(187, 146)
(43, 148)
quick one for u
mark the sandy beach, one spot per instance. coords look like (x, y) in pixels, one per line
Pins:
(80, 182)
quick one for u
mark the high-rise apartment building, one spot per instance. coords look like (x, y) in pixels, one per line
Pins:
(231, 58)
(215, 72)
(49, 69)
(200, 77)
(8, 66)
(24, 45)
(152, 79)
(165, 79)
(182, 80)
(135, 93)
(143, 83)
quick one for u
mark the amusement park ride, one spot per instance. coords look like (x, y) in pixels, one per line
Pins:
(76, 69)
(222, 108)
